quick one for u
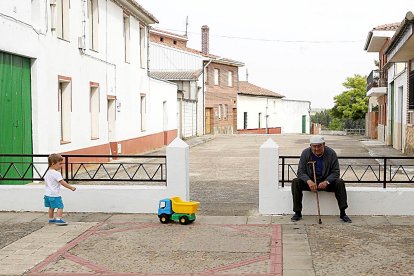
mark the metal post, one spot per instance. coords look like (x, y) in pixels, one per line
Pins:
(66, 169)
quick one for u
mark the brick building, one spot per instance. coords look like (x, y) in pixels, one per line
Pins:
(218, 80)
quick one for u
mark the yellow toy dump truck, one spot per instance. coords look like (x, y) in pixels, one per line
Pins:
(176, 209)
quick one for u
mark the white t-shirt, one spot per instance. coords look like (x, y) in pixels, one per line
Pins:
(52, 185)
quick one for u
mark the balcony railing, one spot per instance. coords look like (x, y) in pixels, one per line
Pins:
(377, 78)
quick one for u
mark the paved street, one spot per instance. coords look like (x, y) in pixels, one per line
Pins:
(228, 236)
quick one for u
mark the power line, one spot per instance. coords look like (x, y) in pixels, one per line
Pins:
(277, 40)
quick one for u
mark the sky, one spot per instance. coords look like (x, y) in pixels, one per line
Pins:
(302, 49)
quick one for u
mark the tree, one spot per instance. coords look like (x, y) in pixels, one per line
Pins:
(352, 103)
(322, 117)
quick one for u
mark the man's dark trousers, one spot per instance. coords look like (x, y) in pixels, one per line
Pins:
(338, 187)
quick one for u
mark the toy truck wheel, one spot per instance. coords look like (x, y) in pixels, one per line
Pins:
(184, 220)
(164, 218)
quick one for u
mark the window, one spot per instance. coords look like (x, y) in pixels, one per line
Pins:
(225, 111)
(244, 120)
(161, 39)
(142, 51)
(143, 108)
(62, 16)
(64, 108)
(220, 108)
(126, 36)
(260, 120)
(94, 110)
(216, 76)
(93, 20)
(230, 78)
(175, 42)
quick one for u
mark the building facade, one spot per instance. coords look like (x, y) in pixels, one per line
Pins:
(260, 110)
(81, 72)
(401, 50)
(172, 61)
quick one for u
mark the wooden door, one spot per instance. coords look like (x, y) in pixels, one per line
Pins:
(234, 120)
(208, 121)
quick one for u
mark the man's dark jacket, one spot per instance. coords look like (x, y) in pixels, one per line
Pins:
(330, 170)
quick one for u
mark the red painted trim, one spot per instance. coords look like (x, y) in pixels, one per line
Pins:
(130, 146)
(64, 79)
(272, 130)
(93, 84)
(110, 97)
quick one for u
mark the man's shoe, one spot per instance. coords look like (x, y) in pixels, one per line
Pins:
(346, 219)
(60, 222)
(52, 221)
(296, 217)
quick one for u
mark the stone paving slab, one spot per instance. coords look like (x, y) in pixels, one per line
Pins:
(136, 248)
(20, 256)
(362, 249)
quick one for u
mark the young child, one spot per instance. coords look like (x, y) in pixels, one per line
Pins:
(53, 180)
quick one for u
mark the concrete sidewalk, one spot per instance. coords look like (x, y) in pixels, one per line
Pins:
(136, 244)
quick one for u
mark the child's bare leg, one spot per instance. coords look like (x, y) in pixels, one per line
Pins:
(59, 213)
(51, 213)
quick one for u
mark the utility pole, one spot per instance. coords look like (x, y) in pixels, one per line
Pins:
(186, 26)
(247, 75)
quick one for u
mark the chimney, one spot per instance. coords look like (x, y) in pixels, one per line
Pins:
(204, 39)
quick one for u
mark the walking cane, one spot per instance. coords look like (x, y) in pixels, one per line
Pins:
(317, 194)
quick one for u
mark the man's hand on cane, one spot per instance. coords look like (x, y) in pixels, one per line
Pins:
(312, 185)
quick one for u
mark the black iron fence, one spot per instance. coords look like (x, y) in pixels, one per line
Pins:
(23, 168)
(361, 170)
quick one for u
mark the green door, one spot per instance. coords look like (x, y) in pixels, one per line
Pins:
(303, 123)
(16, 117)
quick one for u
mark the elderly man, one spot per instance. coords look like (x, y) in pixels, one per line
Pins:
(327, 176)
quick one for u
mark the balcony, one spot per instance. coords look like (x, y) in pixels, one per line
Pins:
(377, 83)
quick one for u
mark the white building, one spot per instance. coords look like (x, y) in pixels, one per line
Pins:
(260, 110)
(185, 68)
(84, 86)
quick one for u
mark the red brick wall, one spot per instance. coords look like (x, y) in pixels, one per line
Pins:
(168, 40)
(221, 94)
(272, 130)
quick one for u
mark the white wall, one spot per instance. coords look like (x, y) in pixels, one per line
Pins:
(286, 114)
(161, 92)
(164, 58)
(108, 198)
(255, 105)
(290, 114)
(52, 57)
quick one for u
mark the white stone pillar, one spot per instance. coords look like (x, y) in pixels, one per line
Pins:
(178, 169)
(268, 176)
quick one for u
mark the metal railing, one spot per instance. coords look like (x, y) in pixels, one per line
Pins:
(377, 78)
(354, 131)
(361, 170)
(86, 168)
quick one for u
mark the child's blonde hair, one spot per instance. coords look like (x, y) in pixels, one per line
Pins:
(54, 158)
